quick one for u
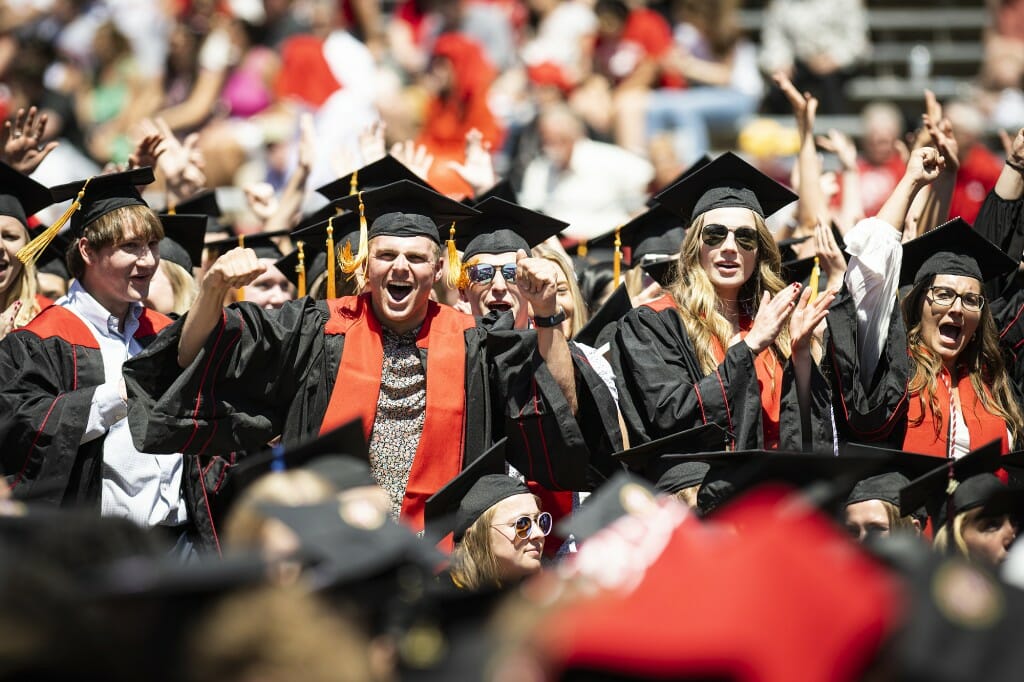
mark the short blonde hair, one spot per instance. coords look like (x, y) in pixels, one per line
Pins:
(113, 228)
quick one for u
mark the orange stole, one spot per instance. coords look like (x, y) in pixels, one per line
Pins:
(983, 426)
(769, 377)
(439, 454)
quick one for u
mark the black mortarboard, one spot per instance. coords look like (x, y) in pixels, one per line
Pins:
(650, 459)
(613, 310)
(463, 499)
(92, 199)
(613, 500)
(320, 215)
(20, 195)
(347, 441)
(885, 487)
(704, 160)
(204, 202)
(682, 476)
(261, 242)
(184, 237)
(655, 232)
(931, 490)
(505, 227)
(953, 248)
(727, 181)
(313, 235)
(502, 190)
(798, 270)
(53, 259)
(664, 271)
(407, 209)
(382, 172)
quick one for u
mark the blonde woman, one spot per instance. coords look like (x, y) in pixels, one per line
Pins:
(986, 517)
(730, 342)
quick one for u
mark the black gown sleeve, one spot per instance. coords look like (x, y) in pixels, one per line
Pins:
(662, 390)
(41, 455)
(247, 381)
(1001, 221)
(874, 412)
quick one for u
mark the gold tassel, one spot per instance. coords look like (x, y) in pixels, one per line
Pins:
(350, 263)
(331, 289)
(172, 209)
(353, 185)
(813, 284)
(454, 274)
(300, 269)
(240, 291)
(30, 253)
(581, 249)
(617, 258)
(241, 241)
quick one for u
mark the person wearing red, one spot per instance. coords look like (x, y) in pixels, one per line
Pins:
(979, 167)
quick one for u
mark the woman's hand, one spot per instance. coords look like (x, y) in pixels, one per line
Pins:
(830, 256)
(806, 317)
(924, 166)
(771, 318)
(805, 106)
(8, 317)
(842, 146)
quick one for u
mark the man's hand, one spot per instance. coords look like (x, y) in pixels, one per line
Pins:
(537, 279)
(924, 166)
(415, 156)
(478, 170)
(236, 268)
(23, 147)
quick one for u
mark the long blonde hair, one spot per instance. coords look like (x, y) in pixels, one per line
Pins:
(580, 314)
(981, 357)
(23, 289)
(700, 307)
(473, 564)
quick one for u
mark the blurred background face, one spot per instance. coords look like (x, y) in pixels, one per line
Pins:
(271, 289)
(557, 137)
(988, 535)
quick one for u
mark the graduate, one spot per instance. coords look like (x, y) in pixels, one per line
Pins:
(70, 444)
(730, 341)
(927, 376)
(234, 378)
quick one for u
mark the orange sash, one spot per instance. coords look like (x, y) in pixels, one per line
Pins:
(439, 455)
(983, 426)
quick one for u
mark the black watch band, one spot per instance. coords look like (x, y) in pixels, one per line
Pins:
(551, 321)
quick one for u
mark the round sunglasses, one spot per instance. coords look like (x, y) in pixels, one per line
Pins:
(524, 525)
(713, 235)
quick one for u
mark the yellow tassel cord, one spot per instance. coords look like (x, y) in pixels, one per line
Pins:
(300, 269)
(581, 249)
(813, 284)
(171, 209)
(454, 273)
(350, 264)
(353, 185)
(617, 258)
(30, 252)
(240, 291)
(332, 291)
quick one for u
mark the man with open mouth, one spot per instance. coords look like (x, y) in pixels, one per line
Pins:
(433, 388)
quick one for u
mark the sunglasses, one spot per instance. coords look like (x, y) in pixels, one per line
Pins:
(944, 297)
(483, 274)
(524, 525)
(713, 235)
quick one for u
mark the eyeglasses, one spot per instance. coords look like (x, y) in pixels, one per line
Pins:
(746, 237)
(524, 525)
(482, 273)
(945, 297)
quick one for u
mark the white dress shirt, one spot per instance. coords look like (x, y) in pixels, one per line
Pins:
(142, 487)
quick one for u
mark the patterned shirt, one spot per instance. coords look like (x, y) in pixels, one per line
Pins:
(401, 412)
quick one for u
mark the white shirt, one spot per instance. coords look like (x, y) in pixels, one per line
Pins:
(141, 487)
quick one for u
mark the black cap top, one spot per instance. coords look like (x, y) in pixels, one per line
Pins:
(930, 490)
(664, 271)
(320, 215)
(885, 487)
(614, 499)
(262, 243)
(20, 195)
(613, 310)
(505, 227)
(382, 172)
(407, 209)
(346, 440)
(103, 194)
(727, 181)
(463, 499)
(53, 259)
(655, 232)
(648, 457)
(345, 227)
(204, 202)
(183, 241)
(797, 270)
(953, 248)
(502, 190)
(704, 160)
(682, 476)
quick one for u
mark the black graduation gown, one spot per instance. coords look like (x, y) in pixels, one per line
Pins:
(662, 389)
(1001, 221)
(265, 373)
(50, 372)
(875, 412)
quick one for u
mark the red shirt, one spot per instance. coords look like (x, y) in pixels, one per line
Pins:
(977, 175)
(878, 182)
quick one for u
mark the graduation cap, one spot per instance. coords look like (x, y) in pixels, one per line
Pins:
(502, 190)
(93, 198)
(649, 459)
(405, 209)
(953, 248)
(655, 232)
(664, 271)
(613, 310)
(476, 489)
(726, 182)
(939, 492)
(345, 445)
(505, 227)
(184, 238)
(617, 497)
(20, 195)
(384, 171)
(323, 237)
(204, 203)
(53, 259)
(261, 242)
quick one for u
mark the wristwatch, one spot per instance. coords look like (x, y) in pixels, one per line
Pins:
(550, 321)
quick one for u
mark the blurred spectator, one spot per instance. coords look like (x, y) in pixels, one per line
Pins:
(1002, 70)
(720, 68)
(817, 44)
(563, 41)
(591, 185)
(881, 163)
(979, 167)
